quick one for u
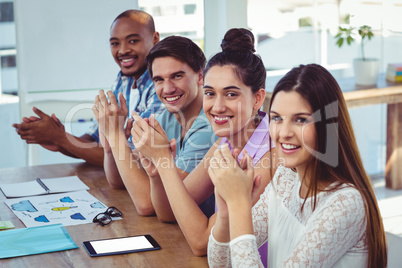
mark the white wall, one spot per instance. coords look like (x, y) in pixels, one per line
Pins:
(12, 148)
(63, 49)
(63, 54)
(220, 16)
(369, 122)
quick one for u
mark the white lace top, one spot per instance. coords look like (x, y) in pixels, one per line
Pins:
(331, 236)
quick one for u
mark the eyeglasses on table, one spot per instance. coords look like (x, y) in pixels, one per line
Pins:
(105, 218)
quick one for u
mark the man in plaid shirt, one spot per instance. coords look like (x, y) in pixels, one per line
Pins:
(132, 35)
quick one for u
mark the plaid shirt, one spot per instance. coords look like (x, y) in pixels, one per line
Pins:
(143, 99)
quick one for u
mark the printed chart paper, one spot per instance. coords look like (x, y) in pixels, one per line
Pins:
(68, 209)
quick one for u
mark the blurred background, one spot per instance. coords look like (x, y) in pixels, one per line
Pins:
(288, 33)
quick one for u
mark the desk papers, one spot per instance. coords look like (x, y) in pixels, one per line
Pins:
(35, 240)
(71, 208)
(43, 186)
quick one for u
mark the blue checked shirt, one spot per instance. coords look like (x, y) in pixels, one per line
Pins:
(143, 99)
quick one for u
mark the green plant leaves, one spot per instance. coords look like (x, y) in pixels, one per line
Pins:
(339, 42)
(366, 31)
(343, 34)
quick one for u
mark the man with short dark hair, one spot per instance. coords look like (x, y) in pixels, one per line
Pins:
(132, 35)
(175, 64)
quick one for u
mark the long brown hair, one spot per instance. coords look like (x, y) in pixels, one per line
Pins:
(337, 158)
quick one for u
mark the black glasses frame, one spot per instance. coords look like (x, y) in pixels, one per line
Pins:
(105, 218)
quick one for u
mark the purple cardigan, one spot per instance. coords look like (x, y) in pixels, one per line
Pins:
(257, 146)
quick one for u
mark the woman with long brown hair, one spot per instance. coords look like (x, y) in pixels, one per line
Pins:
(320, 209)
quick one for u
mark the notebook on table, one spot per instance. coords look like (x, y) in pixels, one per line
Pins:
(43, 186)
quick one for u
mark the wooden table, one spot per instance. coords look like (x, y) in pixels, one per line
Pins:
(383, 92)
(175, 251)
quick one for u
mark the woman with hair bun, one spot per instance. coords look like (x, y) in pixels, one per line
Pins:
(320, 209)
(234, 91)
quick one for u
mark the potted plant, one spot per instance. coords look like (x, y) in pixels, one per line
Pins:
(366, 69)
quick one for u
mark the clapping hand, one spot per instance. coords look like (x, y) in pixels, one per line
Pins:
(233, 181)
(42, 130)
(149, 138)
(109, 114)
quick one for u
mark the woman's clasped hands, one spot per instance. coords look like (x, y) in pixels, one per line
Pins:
(234, 181)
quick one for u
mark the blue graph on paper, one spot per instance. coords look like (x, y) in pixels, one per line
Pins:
(68, 208)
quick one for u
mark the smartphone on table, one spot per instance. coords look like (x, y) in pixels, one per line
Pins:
(121, 245)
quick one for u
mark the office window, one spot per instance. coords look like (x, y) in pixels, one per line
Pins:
(392, 33)
(6, 11)
(291, 32)
(157, 11)
(8, 61)
(189, 9)
(177, 17)
(8, 70)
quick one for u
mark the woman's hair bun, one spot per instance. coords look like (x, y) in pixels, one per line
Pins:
(238, 39)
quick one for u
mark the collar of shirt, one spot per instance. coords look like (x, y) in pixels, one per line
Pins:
(143, 82)
(258, 144)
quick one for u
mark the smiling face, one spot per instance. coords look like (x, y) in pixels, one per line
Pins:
(130, 43)
(177, 85)
(229, 104)
(292, 129)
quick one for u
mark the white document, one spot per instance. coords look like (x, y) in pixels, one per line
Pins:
(68, 209)
(43, 186)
